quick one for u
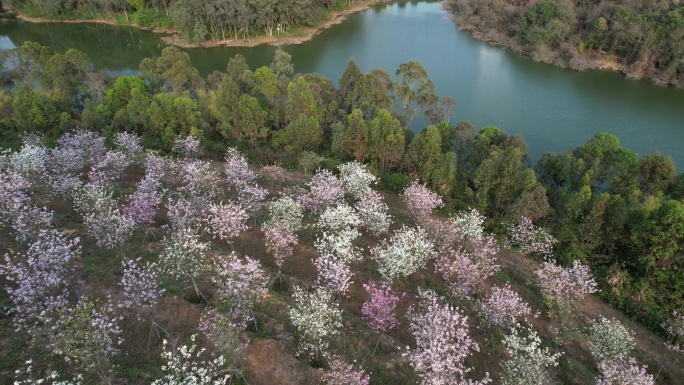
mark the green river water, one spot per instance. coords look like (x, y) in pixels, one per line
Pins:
(555, 109)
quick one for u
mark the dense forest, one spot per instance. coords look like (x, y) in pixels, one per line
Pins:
(644, 38)
(197, 20)
(598, 211)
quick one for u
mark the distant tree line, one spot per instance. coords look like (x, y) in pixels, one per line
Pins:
(620, 214)
(647, 37)
(197, 20)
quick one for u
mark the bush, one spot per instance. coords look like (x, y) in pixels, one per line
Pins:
(395, 182)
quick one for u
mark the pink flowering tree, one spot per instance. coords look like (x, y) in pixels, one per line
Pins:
(241, 180)
(184, 214)
(531, 240)
(325, 190)
(129, 144)
(280, 242)
(37, 280)
(378, 311)
(141, 291)
(445, 234)
(421, 201)
(187, 146)
(334, 275)
(17, 210)
(199, 181)
(624, 371)
(443, 342)
(675, 331)
(241, 284)
(145, 201)
(340, 373)
(226, 221)
(464, 270)
(561, 286)
(108, 168)
(503, 308)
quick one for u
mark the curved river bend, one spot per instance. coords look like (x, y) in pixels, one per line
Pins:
(555, 109)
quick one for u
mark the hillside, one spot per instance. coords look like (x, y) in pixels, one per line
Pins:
(188, 226)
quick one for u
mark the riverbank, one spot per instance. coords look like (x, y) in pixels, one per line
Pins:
(568, 56)
(175, 38)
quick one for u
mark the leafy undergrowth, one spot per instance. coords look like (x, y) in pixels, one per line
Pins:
(270, 345)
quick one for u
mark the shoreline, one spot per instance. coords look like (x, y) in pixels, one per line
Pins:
(173, 37)
(579, 62)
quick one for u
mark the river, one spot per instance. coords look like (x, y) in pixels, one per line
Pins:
(555, 109)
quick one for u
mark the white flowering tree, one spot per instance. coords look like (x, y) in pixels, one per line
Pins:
(470, 222)
(317, 318)
(531, 240)
(406, 252)
(356, 179)
(443, 342)
(183, 255)
(187, 365)
(286, 212)
(338, 218)
(373, 213)
(529, 363)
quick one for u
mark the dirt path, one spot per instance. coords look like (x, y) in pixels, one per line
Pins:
(174, 37)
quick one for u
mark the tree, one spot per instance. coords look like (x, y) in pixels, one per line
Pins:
(226, 221)
(185, 365)
(172, 70)
(325, 190)
(503, 307)
(251, 119)
(316, 318)
(342, 374)
(528, 363)
(443, 342)
(562, 286)
(351, 136)
(356, 179)
(347, 83)
(406, 252)
(656, 173)
(282, 64)
(385, 140)
(118, 96)
(241, 284)
(379, 310)
(421, 201)
(412, 87)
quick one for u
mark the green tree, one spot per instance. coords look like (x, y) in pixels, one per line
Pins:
(119, 94)
(171, 71)
(252, 120)
(386, 140)
(347, 82)
(282, 64)
(351, 137)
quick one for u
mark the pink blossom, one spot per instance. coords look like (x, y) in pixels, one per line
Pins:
(465, 269)
(226, 221)
(240, 286)
(280, 241)
(562, 286)
(443, 342)
(421, 201)
(503, 307)
(342, 374)
(325, 190)
(379, 310)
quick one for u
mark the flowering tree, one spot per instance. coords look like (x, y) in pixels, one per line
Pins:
(316, 318)
(145, 202)
(285, 212)
(338, 245)
(503, 307)
(379, 310)
(623, 371)
(280, 242)
(199, 181)
(356, 179)
(140, 287)
(340, 373)
(373, 213)
(30, 161)
(675, 330)
(184, 214)
(101, 216)
(17, 210)
(186, 366)
(187, 146)
(128, 143)
(226, 221)
(443, 342)
(465, 269)
(470, 222)
(562, 286)
(609, 339)
(240, 286)
(220, 330)
(532, 240)
(445, 234)
(109, 168)
(50, 378)
(528, 363)
(325, 190)
(183, 254)
(421, 201)
(38, 280)
(237, 170)
(406, 252)
(88, 334)
(338, 218)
